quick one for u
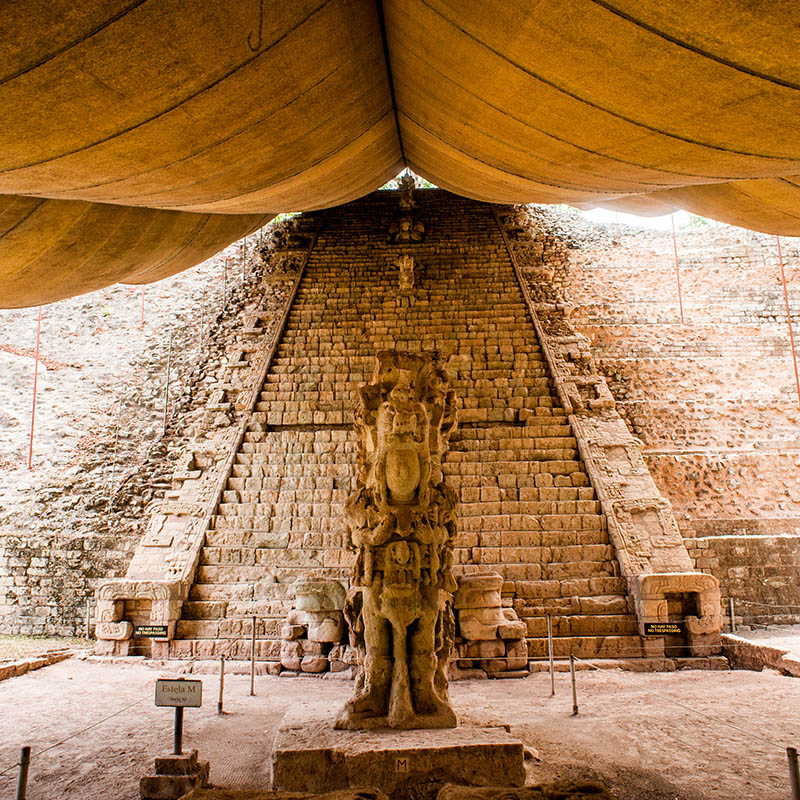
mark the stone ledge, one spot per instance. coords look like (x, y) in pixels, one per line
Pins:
(308, 755)
(13, 669)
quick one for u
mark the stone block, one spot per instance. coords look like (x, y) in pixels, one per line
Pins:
(324, 626)
(515, 629)
(291, 655)
(517, 655)
(487, 648)
(471, 628)
(290, 632)
(310, 756)
(479, 591)
(314, 664)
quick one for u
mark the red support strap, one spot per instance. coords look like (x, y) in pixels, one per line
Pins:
(788, 317)
(35, 380)
(677, 270)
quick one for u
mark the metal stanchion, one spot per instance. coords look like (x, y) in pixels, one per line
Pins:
(253, 660)
(88, 617)
(574, 688)
(794, 775)
(733, 615)
(550, 656)
(221, 683)
(25, 760)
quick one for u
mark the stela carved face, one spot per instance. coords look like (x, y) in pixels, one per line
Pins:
(402, 426)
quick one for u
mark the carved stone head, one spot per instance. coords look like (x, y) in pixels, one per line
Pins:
(405, 417)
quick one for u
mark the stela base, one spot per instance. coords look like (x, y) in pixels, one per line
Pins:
(310, 756)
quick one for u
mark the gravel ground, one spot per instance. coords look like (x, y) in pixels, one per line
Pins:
(665, 736)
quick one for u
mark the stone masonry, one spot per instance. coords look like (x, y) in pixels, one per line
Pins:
(528, 510)
(713, 400)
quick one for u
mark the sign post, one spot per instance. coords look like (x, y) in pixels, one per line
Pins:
(178, 693)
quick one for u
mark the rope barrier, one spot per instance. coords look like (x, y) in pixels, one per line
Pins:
(766, 605)
(83, 730)
(716, 720)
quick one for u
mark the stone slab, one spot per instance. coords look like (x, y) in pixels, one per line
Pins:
(308, 755)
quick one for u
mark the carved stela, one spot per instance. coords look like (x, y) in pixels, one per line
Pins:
(401, 523)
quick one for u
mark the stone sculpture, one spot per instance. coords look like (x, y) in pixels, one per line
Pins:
(406, 230)
(406, 186)
(401, 523)
(407, 269)
(314, 628)
(490, 637)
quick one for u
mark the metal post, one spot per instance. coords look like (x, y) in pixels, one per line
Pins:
(677, 269)
(89, 617)
(794, 775)
(177, 738)
(35, 379)
(550, 656)
(788, 317)
(733, 615)
(253, 660)
(166, 388)
(25, 760)
(221, 683)
(574, 688)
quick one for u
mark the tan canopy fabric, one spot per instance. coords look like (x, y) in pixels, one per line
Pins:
(252, 107)
(53, 249)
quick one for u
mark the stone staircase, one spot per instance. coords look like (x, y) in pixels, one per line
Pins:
(527, 508)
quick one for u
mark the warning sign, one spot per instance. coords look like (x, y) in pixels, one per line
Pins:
(150, 631)
(663, 628)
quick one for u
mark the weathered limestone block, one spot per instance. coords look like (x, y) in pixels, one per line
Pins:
(314, 627)
(641, 525)
(401, 524)
(479, 591)
(175, 776)
(691, 598)
(114, 631)
(489, 633)
(319, 596)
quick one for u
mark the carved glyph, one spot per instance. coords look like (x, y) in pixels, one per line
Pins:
(401, 523)
(407, 269)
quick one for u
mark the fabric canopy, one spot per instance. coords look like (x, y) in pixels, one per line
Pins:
(242, 110)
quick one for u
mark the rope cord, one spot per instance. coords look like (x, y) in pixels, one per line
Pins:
(83, 730)
(716, 720)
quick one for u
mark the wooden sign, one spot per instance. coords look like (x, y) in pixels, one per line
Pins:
(663, 629)
(179, 693)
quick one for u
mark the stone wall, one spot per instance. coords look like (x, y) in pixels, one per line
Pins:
(713, 400)
(527, 508)
(76, 519)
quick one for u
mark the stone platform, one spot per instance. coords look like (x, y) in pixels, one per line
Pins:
(310, 756)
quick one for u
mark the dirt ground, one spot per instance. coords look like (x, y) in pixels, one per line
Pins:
(12, 647)
(94, 730)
